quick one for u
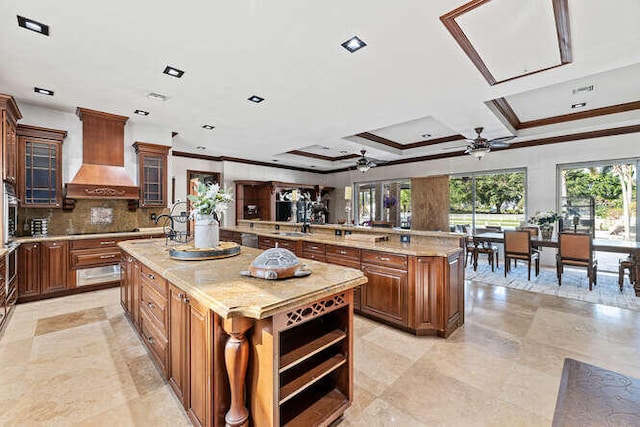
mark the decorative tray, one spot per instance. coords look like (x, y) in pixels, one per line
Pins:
(190, 253)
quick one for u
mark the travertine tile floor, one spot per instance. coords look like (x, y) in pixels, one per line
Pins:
(76, 361)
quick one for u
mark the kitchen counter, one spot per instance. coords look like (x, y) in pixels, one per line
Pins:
(436, 247)
(212, 331)
(218, 284)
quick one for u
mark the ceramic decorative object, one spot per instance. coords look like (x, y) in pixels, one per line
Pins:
(206, 232)
(207, 205)
(276, 263)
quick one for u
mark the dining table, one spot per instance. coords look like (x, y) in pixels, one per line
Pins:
(602, 245)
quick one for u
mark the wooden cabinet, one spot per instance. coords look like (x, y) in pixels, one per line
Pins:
(54, 258)
(255, 200)
(347, 257)
(42, 268)
(154, 316)
(231, 236)
(40, 166)
(29, 268)
(385, 294)
(314, 251)
(306, 358)
(272, 242)
(9, 116)
(152, 174)
(191, 344)
(3, 295)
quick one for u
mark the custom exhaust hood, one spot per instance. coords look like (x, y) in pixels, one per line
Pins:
(102, 174)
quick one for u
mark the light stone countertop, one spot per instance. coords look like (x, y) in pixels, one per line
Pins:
(33, 239)
(218, 284)
(442, 249)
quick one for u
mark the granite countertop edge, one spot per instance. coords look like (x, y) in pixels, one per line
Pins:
(413, 249)
(115, 234)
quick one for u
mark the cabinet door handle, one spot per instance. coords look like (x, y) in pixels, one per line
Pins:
(185, 300)
(151, 276)
(107, 256)
(150, 305)
(150, 339)
(315, 247)
(383, 258)
(111, 242)
(180, 296)
(343, 252)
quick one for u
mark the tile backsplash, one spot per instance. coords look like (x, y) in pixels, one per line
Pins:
(79, 220)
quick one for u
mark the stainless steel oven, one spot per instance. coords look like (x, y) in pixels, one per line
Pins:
(10, 211)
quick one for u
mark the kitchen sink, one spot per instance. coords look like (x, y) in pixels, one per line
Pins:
(291, 233)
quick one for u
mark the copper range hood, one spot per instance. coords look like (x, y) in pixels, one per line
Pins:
(102, 174)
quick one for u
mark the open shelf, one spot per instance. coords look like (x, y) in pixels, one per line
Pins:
(310, 377)
(321, 407)
(311, 348)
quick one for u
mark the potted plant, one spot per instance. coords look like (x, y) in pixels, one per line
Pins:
(207, 205)
(545, 220)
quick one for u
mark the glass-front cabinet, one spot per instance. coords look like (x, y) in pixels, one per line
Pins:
(40, 166)
(152, 174)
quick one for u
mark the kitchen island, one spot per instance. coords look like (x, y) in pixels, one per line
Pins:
(415, 278)
(212, 331)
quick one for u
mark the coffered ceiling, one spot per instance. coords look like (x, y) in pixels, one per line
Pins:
(411, 79)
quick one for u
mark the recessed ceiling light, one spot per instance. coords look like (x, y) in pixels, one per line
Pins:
(343, 151)
(256, 99)
(141, 113)
(173, 72)
(43, 91)
(275, 160)
(32, 25)
(313, 166)
(208, 127)
(157, 96)
(201, 147)
(426, 135)
(579, 105)
(326, 148)
(353, 44)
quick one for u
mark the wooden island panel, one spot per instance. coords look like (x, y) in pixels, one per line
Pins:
(295, 362)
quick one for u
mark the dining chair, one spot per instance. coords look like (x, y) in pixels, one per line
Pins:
(576, 250)
(482, 246)
(517, 246)
(626, 264)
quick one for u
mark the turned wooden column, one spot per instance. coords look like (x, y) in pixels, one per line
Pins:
(236, 358)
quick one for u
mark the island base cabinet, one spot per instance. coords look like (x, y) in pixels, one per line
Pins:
(195, 338)
(302, 369)
(384, 296)
(439, 298)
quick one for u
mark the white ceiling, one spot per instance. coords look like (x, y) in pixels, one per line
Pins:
(108, 57)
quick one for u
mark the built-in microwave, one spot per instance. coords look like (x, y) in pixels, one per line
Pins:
(10, 210)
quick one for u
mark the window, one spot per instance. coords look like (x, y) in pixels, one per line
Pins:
(479, 200)
(387, 201)
(613, 187)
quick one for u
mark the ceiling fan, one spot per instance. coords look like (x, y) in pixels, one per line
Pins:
(363, 164)
(480, 146)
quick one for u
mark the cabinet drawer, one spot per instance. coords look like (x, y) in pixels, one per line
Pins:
(287, 244)
(153, 279)
(106, 242)
(155, 306)
(266, 242)
(95, 257)
(314, 256)
(310, 247)
(384, 259)
(343, 252)
(155, 341)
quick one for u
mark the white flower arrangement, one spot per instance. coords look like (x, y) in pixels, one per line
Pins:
(209, 200)
(544, 218)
